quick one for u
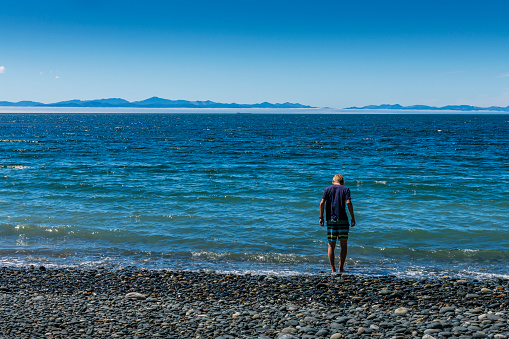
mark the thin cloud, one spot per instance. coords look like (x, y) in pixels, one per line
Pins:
(2, 69)
(502, 75)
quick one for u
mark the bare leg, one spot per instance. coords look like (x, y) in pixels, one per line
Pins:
(332, 246)
(342, 255)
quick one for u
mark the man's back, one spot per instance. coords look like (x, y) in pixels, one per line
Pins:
(336, 197)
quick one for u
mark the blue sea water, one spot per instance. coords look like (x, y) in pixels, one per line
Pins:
(241, 192)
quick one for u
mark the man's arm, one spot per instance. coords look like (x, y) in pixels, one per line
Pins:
(322, 207)
(350, 209)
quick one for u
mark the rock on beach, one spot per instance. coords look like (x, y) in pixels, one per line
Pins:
(135, 296)
(138, 303)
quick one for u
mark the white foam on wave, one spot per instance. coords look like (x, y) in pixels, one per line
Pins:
(485, 275)
(18, 167)
(273, 272)
(269, 258)
(26, 141)
(241, 268)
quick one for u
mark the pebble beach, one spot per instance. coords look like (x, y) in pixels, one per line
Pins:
(137, 303)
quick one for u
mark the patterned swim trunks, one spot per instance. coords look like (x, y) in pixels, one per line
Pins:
(337, 229)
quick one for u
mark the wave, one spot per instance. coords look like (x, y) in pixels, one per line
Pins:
(25, 141)
(173, 230)
(242, 263)
(67, 241)
(411, 254)
(470, 237)
(17, 167)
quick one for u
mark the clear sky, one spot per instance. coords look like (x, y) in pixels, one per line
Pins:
(320, 53)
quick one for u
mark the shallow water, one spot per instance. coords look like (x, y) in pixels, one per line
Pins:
(238, 192)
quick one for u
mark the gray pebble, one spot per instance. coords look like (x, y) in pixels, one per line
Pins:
(447, 309)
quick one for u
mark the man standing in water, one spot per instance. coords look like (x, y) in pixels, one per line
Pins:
(334, 200)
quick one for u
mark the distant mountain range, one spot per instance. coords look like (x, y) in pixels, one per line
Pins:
(444, 108)
(156, 102)
(153, 102)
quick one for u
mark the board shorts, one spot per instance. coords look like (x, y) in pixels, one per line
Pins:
(337, 229)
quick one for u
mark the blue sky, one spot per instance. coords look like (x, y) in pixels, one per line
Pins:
(321, 53)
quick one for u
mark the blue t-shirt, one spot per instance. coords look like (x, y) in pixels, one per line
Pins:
(335, 197)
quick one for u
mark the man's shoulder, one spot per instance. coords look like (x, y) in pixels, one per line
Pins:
(329, 188)
(337, 187)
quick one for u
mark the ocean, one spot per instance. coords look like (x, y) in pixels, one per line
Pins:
(240, 193)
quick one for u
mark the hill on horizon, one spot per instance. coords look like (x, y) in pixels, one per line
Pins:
(464, 108)
(154, 102)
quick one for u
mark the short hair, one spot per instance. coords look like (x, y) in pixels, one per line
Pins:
(339, 179)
